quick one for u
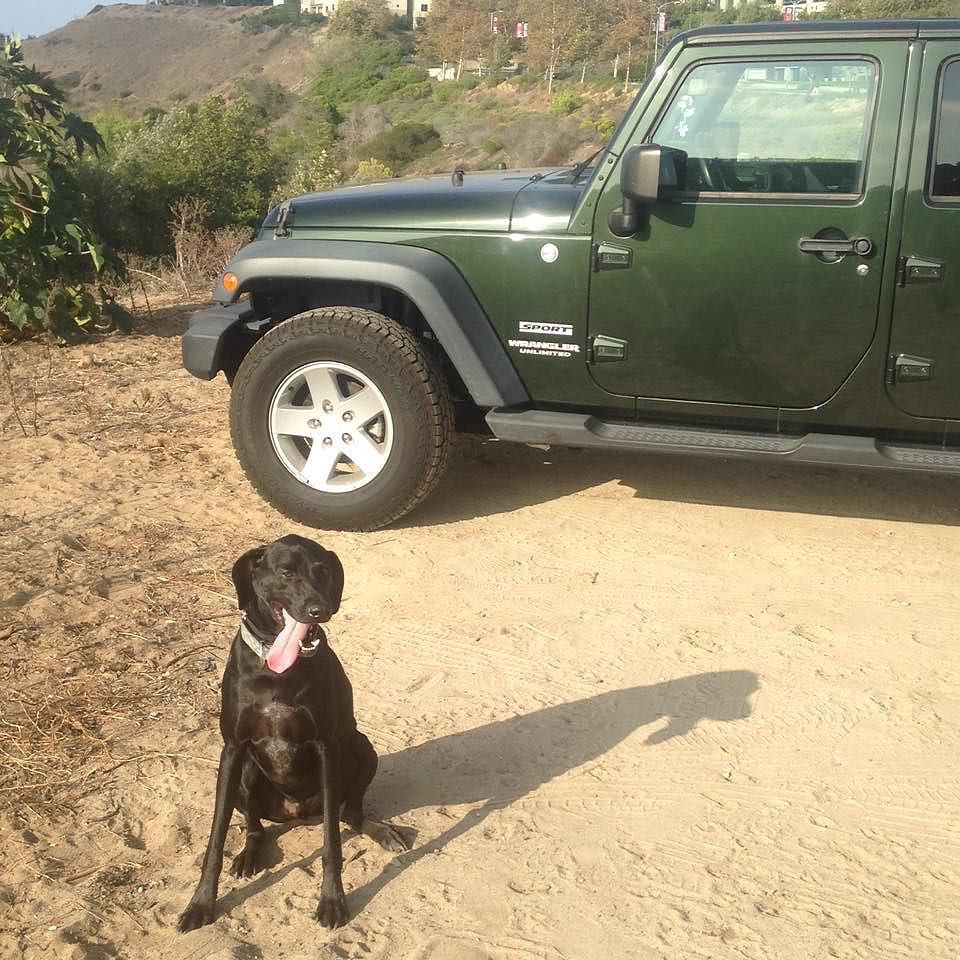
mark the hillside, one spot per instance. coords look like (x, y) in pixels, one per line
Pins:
(126, 58)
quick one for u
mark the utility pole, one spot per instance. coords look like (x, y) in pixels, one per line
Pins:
(656, 26)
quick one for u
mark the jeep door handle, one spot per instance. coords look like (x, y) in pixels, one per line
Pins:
(862, 246)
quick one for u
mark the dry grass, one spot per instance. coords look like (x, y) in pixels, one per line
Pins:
(199, 256)
(58, 741)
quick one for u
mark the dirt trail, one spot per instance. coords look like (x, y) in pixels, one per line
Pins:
(631, 706)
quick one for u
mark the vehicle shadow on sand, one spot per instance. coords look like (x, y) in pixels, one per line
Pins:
(496, 764)
(489, 477)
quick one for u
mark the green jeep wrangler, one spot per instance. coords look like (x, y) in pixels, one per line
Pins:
(764, 262)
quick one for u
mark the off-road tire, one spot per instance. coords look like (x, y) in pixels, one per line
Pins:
(410, 380)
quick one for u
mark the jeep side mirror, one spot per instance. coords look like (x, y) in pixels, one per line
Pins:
(648, 173)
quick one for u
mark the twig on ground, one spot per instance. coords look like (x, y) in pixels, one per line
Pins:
(8, 378)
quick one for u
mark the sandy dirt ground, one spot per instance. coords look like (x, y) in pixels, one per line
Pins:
(625, 706)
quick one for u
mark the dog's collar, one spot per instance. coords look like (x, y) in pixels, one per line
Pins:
(261, 649)
(257, 646)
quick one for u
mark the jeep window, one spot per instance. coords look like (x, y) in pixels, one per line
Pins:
(773, 127)
(946, 165)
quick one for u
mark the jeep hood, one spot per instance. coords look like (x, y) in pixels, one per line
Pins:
(530, 201)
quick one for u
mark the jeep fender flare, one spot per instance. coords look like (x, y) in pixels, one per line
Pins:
(434, 285)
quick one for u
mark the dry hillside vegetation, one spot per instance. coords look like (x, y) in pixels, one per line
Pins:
(130, 57)
(625, 706)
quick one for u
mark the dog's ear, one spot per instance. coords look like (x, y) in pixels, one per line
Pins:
(243, 575)
(336, 580)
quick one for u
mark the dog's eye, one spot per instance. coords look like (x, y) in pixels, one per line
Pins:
(287, 574)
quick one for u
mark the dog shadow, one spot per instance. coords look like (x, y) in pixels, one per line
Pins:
(498, 763)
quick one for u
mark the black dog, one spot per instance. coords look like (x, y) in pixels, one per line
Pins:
(291, 745)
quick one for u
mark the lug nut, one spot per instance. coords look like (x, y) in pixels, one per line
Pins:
(327, 406)
(347, 417)
(314, 424)
(328, 441)
(347, 438)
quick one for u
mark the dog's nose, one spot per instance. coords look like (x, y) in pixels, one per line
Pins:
(316, 611)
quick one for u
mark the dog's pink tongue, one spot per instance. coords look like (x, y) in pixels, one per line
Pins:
(286, 648)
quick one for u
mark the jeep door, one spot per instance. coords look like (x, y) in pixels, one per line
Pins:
(738, 287)
(924, 367)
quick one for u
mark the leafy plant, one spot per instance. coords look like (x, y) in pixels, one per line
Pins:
(217, 152)
(407, 82)
(349, 73)
(372, 169)
(49, 251)
(402, 144)
(446, 91)
(286, 15)
(564, 103)
(362, 19)
(605, 125)
(310, 175)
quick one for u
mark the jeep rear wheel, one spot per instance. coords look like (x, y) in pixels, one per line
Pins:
(340, 419)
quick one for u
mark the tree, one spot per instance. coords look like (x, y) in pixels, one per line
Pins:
(631, 28)
(48, 250)
(554, 28)
(456, 30)
(361, 19)
(194, 151)
(889, 9)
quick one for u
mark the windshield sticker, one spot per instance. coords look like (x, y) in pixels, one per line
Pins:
(544, 348)
(547, 329)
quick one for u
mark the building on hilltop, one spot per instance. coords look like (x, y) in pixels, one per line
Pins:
(790, 9)
(414, 10)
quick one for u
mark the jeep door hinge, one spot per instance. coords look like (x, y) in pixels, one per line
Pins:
(918, 270)
(603, 349)
(903, 368)
(608, 256)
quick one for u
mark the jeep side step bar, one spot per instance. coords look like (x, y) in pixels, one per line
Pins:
(581, 430)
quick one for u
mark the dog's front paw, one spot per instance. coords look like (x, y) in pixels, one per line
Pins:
(247, 862)
(332, 911)
(198, 914)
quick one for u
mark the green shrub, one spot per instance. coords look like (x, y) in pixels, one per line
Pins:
(492, 145)
(372, 169)
(564, 103)
(605, 125)
(349, 74)
(309, 175)
(446, 91)
(362, 19)
(287, 15)
(407, 82)
(402, 144)
(49, 250)
(192, 151)
(114, 128)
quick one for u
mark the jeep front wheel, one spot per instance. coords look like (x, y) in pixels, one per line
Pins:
(340, 419)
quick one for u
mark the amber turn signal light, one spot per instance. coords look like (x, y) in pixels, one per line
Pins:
(231, 282)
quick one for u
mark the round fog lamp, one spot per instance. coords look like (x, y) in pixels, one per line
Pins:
(231, 282)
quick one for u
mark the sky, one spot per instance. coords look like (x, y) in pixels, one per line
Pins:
(34, 17)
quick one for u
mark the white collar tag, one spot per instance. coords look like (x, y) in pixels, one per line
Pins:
(260, 649)
(252, 642)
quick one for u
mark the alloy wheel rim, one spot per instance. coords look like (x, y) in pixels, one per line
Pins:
(330, 427)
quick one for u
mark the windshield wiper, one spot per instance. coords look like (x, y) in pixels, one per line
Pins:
(577, 172)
